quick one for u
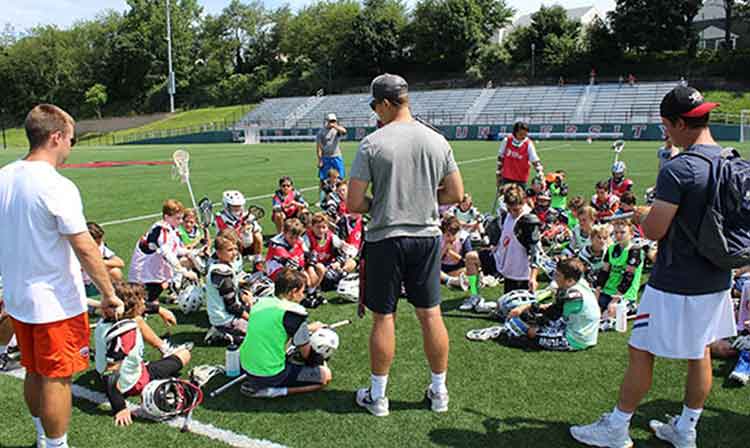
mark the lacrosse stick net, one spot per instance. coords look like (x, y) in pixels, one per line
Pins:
(181, 170)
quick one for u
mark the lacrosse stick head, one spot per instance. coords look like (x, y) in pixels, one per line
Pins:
(618, 146)
(205, 211)
(181, 169)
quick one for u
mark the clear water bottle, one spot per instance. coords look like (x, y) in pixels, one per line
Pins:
(232, 367)
(621, 316)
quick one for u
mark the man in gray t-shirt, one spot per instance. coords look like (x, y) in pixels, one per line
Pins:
(411, 169)
(329, 151)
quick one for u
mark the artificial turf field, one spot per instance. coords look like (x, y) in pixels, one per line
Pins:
(499, 396)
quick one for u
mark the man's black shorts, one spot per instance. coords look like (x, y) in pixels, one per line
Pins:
(413, 262)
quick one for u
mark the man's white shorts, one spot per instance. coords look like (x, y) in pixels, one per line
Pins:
(678, 326)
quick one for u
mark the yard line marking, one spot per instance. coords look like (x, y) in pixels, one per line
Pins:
(204, 429)
(268, 196)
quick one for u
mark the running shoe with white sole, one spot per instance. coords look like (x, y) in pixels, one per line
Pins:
(668, 432)
(438, 402)
(485, 334)
(602, 434)
(485, 307)
(469, 303)
(378, 408)
(168, 349)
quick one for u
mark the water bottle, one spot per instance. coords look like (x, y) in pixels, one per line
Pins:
(621, 316)
(232, 367)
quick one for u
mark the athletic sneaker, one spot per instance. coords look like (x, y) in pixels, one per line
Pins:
(168, 349)
(668, 432)
(741, 372)
(489, 281)
(607, 324)
(438, 402)
(378, 408)
(602, 434)
(485, 307)
(470, 303)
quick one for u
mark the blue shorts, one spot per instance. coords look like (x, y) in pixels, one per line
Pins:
(331, 162)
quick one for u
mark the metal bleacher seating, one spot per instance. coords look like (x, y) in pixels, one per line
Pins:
(606, 103)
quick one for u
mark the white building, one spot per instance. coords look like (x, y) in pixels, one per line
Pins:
(710, 25)
(584, 15)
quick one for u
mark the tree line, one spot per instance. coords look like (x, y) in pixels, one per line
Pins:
(116, 63)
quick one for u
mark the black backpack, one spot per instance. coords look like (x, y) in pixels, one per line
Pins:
(723, 235)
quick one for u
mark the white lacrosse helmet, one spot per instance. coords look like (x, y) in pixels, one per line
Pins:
(618, 167)
(190, 299)
(514, 299)
(324, 342)
(232, 198)
(169, 397)
(349, 287)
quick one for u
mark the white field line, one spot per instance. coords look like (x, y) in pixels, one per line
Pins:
(212, 432)
(268, 196)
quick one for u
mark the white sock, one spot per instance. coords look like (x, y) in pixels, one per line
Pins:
(620, 418)
(60, 442)
(377, 386)
(39, 430)
(688, 419)
(438, 383)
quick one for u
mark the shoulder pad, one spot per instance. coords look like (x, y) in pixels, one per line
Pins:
(221, 269)
(120, 327)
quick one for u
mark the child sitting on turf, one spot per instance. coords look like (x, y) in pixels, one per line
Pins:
(581, 235)
(327, 252)
(570, 323)
(273, 324)
(328, 185)
(620, 277)
(235, 216)
(575, 205)
(286, 250)
(119, 355)
(558, 189)
(156, 257)
(454, 247)
(469, 218)
(592, 255)
(536, 188)
(113, 263)
(228, 305)
(191, 234)
(605, 203)
(287, 203)
(335, 203)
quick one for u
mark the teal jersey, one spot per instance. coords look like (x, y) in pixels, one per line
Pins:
(581, 313)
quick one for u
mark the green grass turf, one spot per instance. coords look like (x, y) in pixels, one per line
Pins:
(499, 396)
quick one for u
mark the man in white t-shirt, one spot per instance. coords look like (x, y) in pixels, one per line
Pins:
(43, 245)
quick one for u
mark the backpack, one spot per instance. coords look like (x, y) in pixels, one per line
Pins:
(723, 235)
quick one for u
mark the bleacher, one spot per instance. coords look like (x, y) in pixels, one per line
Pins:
(598, 104)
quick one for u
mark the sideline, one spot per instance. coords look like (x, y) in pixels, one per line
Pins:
(196, 427)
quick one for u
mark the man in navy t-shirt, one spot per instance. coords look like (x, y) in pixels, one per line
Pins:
(686, 305)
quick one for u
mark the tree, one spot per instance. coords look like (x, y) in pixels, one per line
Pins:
(601, 45)
(376, 36)
(557, 40)
(96, 97)
(655, 25)
(449, 33)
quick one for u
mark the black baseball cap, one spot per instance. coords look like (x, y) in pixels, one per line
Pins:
(388, 86)
(685, 102)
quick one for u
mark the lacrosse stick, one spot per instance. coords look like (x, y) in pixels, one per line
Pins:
(340, 323)
(205, 211)
(617, 147)
(223, 388)
(181, 159)
(627, 215)
(497, 198)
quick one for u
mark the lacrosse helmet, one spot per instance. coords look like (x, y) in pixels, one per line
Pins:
(324, 342)
(650, 195)
(170, 397)
(349, 287)
(618, 170)
(233, 198)
(190, 299)
(263, 287)
(514, 299)
(527, 228)
(548, 265)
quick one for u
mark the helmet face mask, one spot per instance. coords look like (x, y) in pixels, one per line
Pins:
(170, 397)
